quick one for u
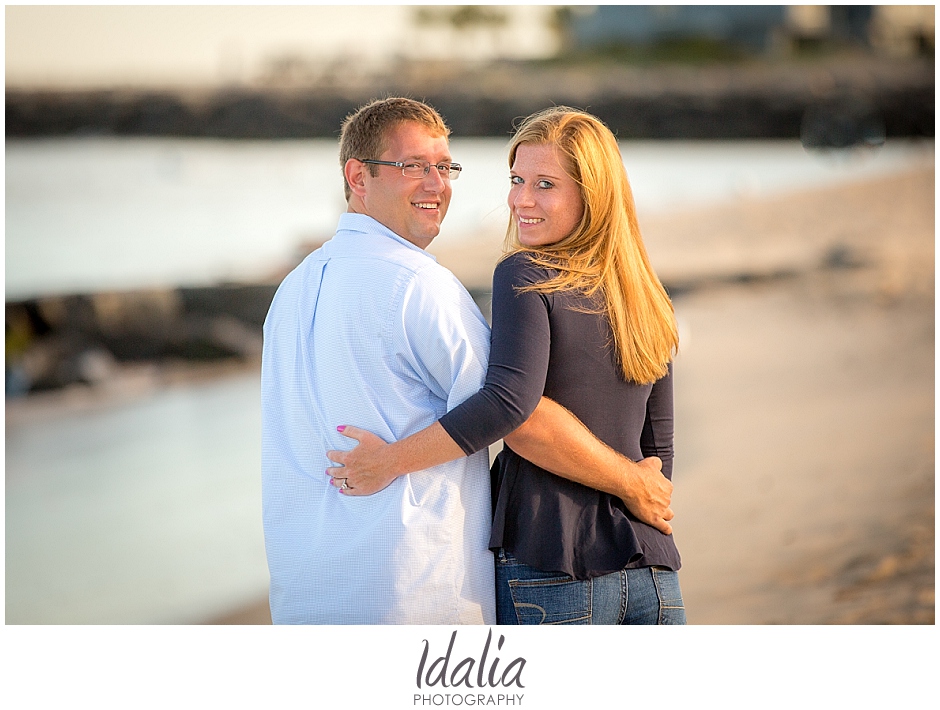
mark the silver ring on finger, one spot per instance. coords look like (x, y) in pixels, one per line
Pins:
(344, 487)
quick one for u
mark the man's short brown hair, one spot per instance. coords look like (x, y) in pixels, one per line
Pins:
(365, 132)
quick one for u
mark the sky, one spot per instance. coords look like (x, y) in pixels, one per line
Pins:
(106, 46)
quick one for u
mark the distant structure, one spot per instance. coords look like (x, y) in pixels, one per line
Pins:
(895, 30)
(903, 30)
(642, 26)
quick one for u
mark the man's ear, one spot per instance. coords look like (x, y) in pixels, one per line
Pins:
(354, 171)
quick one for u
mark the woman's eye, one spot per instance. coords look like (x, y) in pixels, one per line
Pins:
(515, 179)
(544, 184)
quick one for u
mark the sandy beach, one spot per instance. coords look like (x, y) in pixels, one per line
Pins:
(805, 403)
(805, 421)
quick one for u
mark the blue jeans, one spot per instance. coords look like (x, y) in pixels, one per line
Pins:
(645, 595)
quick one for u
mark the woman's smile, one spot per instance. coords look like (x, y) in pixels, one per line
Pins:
(544, 199)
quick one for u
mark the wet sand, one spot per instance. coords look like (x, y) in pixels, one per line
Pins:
(805, 403)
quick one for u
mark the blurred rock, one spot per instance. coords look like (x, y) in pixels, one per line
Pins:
(842, 122)
(755, 99)
(58, 341)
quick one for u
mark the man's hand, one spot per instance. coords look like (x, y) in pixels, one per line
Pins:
(650, 493)
(554, 439)
(364, 469)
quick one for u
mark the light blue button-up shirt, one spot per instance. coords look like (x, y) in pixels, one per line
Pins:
(370, 330)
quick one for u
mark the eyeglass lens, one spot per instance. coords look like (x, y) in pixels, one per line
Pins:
(419, 170)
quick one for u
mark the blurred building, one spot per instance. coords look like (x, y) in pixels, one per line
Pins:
(903, 30)
(608, 26)
(891, 30)
(899, 30)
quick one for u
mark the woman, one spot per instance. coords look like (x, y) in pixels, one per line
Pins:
(579, 316)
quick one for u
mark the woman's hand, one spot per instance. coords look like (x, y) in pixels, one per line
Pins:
(364, 469)
(373, 464)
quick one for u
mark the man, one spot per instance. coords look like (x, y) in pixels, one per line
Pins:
(370, 329)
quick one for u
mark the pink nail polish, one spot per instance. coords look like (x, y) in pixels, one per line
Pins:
(341, 427)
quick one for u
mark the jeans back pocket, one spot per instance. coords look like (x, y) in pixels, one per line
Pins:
(557, 600)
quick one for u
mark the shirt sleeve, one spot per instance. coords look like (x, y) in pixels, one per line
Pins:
(519, 353)
(658, 429)
(444, 340)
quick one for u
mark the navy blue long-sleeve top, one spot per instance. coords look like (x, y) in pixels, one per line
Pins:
(559, 345)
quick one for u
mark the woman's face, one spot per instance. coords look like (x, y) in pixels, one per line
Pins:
(544, 200)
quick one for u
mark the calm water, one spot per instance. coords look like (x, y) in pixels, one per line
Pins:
(148, 510)
(95, 214)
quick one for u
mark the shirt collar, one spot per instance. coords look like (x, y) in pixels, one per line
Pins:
(356, 225)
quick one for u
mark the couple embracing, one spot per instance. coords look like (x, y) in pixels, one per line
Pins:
(383, 386)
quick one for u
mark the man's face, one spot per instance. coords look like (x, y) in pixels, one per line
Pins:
(412, 208)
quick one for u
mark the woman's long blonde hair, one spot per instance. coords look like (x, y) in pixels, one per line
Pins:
(605, 252)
